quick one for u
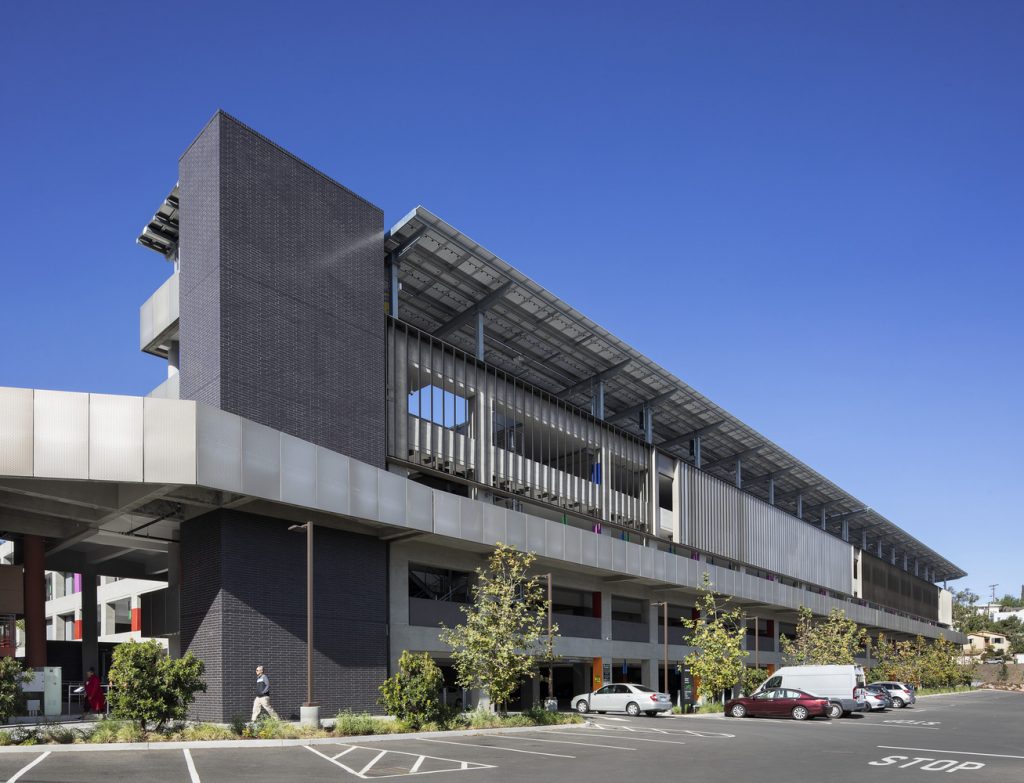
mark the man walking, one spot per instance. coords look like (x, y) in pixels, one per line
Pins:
(262, 700)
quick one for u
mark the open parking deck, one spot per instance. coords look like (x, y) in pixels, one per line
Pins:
(975, 736)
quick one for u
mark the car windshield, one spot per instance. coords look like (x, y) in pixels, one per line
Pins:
(642, 689)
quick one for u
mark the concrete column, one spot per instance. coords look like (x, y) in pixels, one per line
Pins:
(696, 452)
(846, 530)
(824, 525)
(173, 360)
(90, 645)
(771, 489)
(739, 474)
(650, 672)
(800, 505)
(917, 567)
(606, 615)
(34, 554)
(172, 606)
(893, 557)
(648, 425)
(864, 540)
(879, 548)
(906, 562)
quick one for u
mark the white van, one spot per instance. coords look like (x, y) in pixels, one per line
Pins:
(843, 686)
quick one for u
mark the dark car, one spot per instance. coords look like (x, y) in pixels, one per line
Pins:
(779, 702)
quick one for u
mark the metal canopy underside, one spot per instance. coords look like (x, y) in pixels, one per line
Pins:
(161, 233)
(446, 278)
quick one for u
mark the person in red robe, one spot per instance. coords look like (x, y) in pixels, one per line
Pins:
(94, 699)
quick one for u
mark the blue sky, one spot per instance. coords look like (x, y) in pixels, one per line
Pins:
(812, 212)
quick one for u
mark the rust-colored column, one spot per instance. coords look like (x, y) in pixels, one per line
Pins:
(35, 601)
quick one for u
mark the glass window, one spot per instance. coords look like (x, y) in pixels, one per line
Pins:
(774, 682)
(642, 689)
(605, 690)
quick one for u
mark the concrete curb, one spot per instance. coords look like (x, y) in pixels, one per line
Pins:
(270, 743)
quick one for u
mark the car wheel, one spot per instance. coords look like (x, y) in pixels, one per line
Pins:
(582, 707)
(633, 709)
(835, 710)
(738, 711)
(800, 713)
(898, 703)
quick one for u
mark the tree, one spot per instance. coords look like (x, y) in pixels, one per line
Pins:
(966, 618)
(752, 677)
(717, 634)
(835, 640)
(505, 631)
(150, 687)
(12, 677)
(412, 694)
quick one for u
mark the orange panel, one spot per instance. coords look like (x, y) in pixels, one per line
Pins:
(597, 675)
(78, 629)
(137, 619)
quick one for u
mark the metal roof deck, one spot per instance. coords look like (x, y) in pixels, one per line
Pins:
(447, 279)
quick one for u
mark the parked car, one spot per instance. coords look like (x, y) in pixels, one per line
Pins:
(623, 697)
(877, 697)
(779, 702)
(841, 685)
(901, 694)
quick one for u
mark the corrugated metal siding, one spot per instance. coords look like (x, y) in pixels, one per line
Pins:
(720, 519)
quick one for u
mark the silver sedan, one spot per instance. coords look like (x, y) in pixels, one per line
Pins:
(623, 697)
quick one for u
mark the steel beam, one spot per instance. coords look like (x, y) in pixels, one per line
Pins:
(466, 316)
(678, 440)
(732, 457)
(587, 383)
(633, 410)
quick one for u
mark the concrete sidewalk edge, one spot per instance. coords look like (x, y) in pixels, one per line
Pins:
(272, 743)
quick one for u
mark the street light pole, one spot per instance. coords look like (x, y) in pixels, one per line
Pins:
(308, 527)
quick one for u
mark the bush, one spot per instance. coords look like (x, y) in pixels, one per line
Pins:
(12, 677)
(412, 694)
(150, 687)
(361, 724)
(238, 724)
(110, 730)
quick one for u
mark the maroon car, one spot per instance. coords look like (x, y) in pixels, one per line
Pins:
(778, 703)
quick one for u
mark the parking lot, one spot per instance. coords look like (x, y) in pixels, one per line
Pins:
(974, 736)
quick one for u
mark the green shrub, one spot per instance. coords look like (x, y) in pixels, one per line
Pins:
(5, 738)
(112, 730)
(238, 724)
(12, 677)
(150, 687)
(709, 708)
(204, 732)
(57, 734)
(358, 724)
(413, 693)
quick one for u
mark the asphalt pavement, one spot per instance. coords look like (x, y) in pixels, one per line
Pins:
(976, 736)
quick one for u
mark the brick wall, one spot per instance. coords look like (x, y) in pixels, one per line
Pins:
(282, 295)
(252, 575)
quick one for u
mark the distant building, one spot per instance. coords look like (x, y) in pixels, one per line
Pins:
(978, 643)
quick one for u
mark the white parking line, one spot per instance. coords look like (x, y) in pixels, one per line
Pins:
(27, 767)
(191, 766)
(634, 739)
(414, 770)
(953, 752)
(565, 742)
(494, 747)
(374, 760)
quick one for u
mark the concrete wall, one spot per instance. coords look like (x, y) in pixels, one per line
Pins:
(282, 293)
(243, 603)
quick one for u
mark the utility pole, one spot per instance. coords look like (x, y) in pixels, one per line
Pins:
(311, 712)
(664, 605)
(993, 589)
